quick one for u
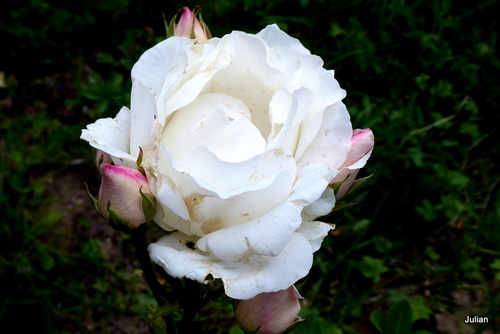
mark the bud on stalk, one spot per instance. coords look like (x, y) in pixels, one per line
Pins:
(362, 142)
(125, 199)
(190, 25)
(270, 312)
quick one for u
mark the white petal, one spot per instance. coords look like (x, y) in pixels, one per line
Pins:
(113, 137)
(280, 105)
(327, 96)
(162, 65)
(209, 214)
(229, 179)
(314, 232)
(270, 178)
(267, 235)
(205, 60)
(143, 118)
(288, 135)
(185, 183)
(174, 210)
(242, 279)
(274, 36)
(252, 82)
(161, 68)
(219, 122)
(332, 142)
(320, 207)
(175, 183)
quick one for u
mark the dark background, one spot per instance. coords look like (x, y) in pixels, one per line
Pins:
(420, 251)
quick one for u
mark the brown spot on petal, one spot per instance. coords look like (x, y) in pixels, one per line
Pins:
(192, 201)
(211, 225)
(278, 152)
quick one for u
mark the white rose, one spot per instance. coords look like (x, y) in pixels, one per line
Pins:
(241, 137)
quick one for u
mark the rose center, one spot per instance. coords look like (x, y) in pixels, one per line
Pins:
(220, 122)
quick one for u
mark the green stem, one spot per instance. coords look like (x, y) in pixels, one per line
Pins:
(159, 292)
(187, 298)
(190, 300)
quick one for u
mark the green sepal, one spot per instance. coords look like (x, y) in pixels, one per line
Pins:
(358, 183)
(165, 23)
(115, 222)
(336, 186)
(249, 332)
(138, 162)
(148, 205)
(95, 202)
(171, 26)
(342, 206)
(99, 163)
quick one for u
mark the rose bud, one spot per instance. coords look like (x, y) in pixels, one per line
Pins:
(191, 27)
(125, 199)
(362, 142)
(270, 312)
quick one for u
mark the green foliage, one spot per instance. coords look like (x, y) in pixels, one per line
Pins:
(496, 266)
(398, 321)
(372, 268)
(314, 323)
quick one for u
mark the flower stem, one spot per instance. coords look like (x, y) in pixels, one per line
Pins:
(159, 292)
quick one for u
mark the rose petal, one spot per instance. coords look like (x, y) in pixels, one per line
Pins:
(288, 135)
(143, 118)
(247, 79)
(113, 137)
(209, 214)
(229, 179)
(219, 122)
(267, 235)
(332, 142)
(243, 279)
(175, 213)
(205, 206)
(204, 61)
(185, 26)
(314, 232)
(169, 60)
(274, 36)
(320, 207)
(362, 142)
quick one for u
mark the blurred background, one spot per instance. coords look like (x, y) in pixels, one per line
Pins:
(421, 251)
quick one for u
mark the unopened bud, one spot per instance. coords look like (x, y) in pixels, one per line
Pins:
(362, 142)
(270, 312)
(125, 199)
(190, 25)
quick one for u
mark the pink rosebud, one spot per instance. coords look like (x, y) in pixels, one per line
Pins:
(269, 312)
(191, 27)
(125, 199)
(362, 142)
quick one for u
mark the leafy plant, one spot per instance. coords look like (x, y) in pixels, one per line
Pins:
(400, 318)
